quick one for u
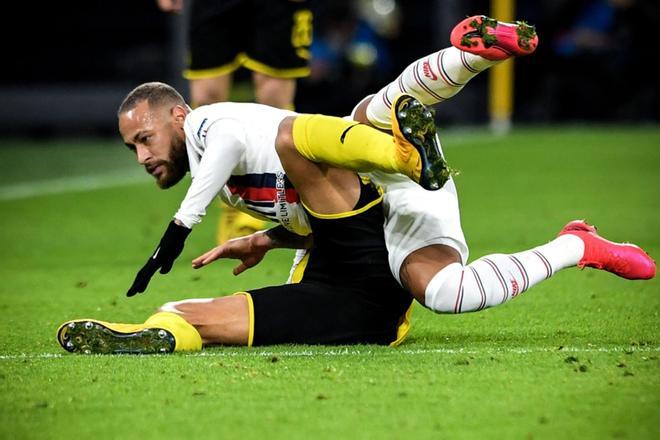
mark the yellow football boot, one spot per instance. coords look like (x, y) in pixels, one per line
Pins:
(413, 128)
(163, 332)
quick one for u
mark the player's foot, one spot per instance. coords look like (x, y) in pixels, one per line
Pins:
(492, 39)
(413, 128)
(90, 336)
(623, 259)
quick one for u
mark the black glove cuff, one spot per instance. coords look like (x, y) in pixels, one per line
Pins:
(176, 232)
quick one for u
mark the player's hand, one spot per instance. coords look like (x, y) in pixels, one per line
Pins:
(250, 249)
(168, 250)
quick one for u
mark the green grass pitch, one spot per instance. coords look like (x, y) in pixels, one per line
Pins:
(575, 357)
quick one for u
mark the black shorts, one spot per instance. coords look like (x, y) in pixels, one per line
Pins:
(347, 294)
(266, 36)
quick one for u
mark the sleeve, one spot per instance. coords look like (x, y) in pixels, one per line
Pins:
(225, 146)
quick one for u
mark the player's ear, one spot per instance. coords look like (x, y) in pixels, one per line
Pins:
(179, 113)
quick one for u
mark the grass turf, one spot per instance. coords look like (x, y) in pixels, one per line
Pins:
(577, 356)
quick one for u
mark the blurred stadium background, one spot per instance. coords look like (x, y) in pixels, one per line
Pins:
(592, 63)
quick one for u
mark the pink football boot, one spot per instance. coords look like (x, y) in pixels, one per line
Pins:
(623, 259)
(492, 39)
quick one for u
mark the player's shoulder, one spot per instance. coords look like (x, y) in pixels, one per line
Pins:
(235, 116)
(199, 120)
(237, 111)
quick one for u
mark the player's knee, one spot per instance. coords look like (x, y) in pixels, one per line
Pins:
(359, 112)
(224, 320)
(187, 309)
(203, 92)
(274, 97)
(284, 140)
(443, 292)
(205, 97)
(193, 313)
(169, 307)
(276, 92)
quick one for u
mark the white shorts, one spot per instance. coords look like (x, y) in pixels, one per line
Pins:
(416, 218)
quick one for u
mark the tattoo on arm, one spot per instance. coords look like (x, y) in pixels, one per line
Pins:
(282, 238)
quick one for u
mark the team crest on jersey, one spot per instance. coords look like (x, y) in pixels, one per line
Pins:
(202, 134)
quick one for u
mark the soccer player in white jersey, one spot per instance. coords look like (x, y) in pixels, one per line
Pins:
(427, 250)
(240, 151)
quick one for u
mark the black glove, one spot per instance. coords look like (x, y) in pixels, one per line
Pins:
(168, 250)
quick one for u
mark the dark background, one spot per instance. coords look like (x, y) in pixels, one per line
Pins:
(66, 67)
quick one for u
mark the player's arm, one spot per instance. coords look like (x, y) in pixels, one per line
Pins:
(251, 249)
(224, 150)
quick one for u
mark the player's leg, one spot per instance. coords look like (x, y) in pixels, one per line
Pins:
(278, 52)
(478, 43)
(224, 320)
(495, 279)
(274, 91)
(322, 188)
(177, 326)
(412, 151)
(208, 90)
(324, 313)
(214, 51)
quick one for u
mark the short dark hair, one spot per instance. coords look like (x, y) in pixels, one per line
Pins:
(155, 93)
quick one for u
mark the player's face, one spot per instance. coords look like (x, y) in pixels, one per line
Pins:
(157, 138)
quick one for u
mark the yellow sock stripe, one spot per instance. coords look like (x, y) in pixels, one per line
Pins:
(404, 327)
(251, 315)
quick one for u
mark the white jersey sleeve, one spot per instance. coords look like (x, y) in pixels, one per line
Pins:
(224, 146)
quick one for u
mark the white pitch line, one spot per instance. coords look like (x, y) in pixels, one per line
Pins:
(352, 352)
(70, 184)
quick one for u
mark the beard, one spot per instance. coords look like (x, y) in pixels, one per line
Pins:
(176, 166)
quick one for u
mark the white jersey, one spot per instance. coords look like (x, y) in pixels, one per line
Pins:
(231, 151)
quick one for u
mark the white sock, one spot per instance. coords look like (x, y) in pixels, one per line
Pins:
(497, 278)
(431, 80)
